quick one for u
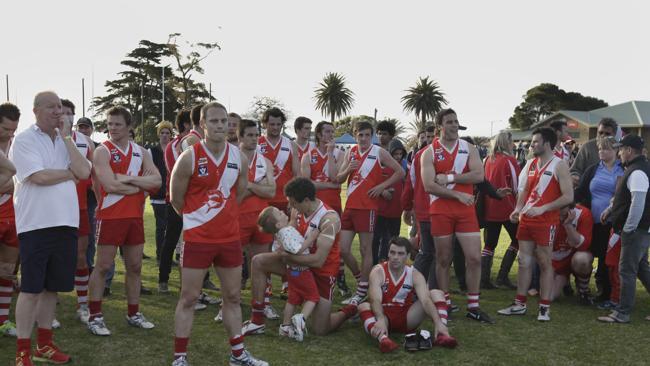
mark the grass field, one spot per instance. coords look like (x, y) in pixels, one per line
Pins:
(573, 337)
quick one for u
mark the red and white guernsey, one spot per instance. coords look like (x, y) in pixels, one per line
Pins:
(367, 176)
(81, 142)
(6, 199)
(119, 206)
(305, 226)
(583, 222)
(543, 187)
(454, 161)
(562, 152)
(302, 150)
(319, 165)
(397, 291)
(256, 172)
(211, 213)
(280, 156)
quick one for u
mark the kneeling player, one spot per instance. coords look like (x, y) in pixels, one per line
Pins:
(302, 287)
(392, 307)
(571, 252)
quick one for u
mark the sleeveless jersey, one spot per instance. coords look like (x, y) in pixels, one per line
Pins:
(256, 172)
(454, 161)
(119, 206)
(6, 199)
(305, 226)
(367, 176)
(302, 150)
(171, 154)
(280, 156)
(210, 212)
(583, 223)
(397, 292)
(82, 186)
(562, 152)
(319, 166)
(543, 187)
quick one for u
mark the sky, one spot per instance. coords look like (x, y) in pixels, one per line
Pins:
(484, 55)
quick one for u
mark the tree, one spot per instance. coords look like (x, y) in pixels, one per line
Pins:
(332, 97)
(545, 99)
(260, 104)
(425, 99)
(192, 92)
(346, 124)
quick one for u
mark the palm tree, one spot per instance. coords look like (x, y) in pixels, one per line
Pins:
(332, 97)
(425, 99)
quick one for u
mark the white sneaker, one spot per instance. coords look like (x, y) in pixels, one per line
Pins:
(209, 300)
(181, 361)
(246, 359)
(356, 299)
(250, 328)
(139, 321)
(199, 306)
(8, 329)
(270, 313)
(98, 327)
(298, 322)
(56, 324)
(219, 317)
(83, 314)
(286, 330)
(544, 314)
(514, 309)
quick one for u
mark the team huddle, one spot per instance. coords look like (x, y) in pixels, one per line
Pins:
(255, 206)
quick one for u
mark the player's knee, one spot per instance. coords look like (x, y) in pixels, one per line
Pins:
(232, 298)
(7, 270)
(524, 260)
(188, 299)
(134, 268)
(473, 261)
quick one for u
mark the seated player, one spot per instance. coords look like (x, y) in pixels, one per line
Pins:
(571, 251)
(392, 304)
(302, 287)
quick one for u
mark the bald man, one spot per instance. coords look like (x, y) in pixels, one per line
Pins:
(48, 164)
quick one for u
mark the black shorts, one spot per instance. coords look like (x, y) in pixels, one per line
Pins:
(48, 259)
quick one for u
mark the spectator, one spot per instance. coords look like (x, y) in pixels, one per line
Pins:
(158, 203)
(47, 165)
(588, 153)
(595, 191)
(630, 215)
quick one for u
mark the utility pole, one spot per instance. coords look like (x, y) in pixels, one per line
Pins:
(7, 80)
(142, 109)
(83, 97)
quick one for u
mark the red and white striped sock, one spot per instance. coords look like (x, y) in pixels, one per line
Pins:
(362, 289)
(257, 313)
(545, 304)
(441, 306)
(180, 347)
(268, 292)
(81, 286)
(447, 300)
(368, 319)
(95, 309)
(520, 300)
(237, 345)
(582, 283)
(132, 309)
(6, 291)
(357, 276)
(473, 301)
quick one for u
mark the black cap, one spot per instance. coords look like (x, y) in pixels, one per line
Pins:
(84, 121)
(462, 128)
(632, 141)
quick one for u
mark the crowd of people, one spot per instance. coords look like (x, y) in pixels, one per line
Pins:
(253, 205)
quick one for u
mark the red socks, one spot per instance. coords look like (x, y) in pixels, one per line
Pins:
(180, 347)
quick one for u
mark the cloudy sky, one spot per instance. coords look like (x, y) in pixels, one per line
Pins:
(484, 55)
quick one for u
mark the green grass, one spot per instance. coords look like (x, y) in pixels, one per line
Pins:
(573, 337)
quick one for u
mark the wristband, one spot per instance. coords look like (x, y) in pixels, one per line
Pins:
(450, 178)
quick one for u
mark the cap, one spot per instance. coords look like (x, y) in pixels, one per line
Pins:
(462, 128)
(632, 141)
(84, 121)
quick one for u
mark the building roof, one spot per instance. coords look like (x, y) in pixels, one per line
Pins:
(629, 114)
(518, 135)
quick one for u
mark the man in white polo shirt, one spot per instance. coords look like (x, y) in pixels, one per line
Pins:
(47, 165)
